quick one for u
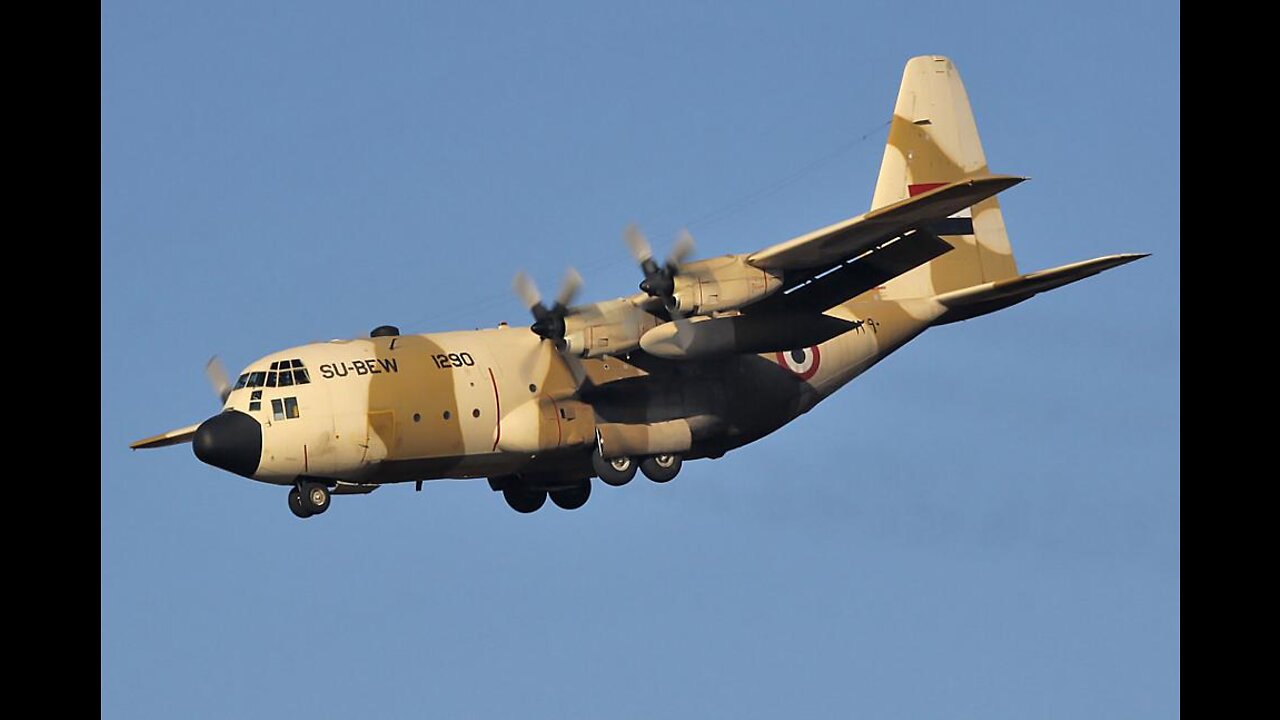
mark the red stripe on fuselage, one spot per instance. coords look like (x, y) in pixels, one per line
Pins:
(497, 411)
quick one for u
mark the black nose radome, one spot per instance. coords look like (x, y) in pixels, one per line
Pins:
(231, 441)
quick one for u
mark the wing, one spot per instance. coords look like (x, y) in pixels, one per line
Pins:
(173, 437)
(850, 238)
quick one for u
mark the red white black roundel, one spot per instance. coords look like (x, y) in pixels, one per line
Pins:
(803, 363)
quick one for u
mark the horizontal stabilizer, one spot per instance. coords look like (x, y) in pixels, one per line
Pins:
(981, 299)
(839, 242)
(173, 437)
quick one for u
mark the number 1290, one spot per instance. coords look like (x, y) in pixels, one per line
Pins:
(453, 360)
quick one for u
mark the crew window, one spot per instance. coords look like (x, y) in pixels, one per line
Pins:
(243, 379)
(291, 407)
(296, 363)
(275, 365)
(300, 376)
(286, 378)
(255, 401)
(257, 379)
(271, 379)
(277, 409)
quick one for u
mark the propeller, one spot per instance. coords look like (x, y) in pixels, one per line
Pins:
(548, 322)
(659, 280)
(218, 378)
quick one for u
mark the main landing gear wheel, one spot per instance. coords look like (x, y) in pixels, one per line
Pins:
(524, 500)
(295, 504)
(572, 498)
(661, 468)
(616, 472)
(314, 498)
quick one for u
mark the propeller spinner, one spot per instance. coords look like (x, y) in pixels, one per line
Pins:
(659, 280)
(548, 322)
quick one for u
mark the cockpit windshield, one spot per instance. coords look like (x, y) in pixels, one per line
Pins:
(283, 373)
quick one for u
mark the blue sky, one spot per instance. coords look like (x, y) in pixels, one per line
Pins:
(985, 525)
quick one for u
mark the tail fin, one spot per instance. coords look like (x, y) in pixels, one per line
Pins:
(933, 140)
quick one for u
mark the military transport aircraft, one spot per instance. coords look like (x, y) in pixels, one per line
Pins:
(710, 355)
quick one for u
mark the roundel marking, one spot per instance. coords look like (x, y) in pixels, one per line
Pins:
(802, 362)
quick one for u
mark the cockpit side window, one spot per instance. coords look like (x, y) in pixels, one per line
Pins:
(286, 378)
(257, 379)
(240, 383)
(300, 376)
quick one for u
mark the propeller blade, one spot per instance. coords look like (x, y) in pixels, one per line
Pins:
(682, 249)
(218, 378)
(526, 290)
(639, 245)
(569, 288)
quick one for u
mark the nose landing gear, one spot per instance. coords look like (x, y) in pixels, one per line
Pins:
(308, 498)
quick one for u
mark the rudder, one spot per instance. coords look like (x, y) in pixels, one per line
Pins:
(933, 140)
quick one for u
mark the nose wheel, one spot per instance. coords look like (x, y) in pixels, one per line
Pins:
(309, 499)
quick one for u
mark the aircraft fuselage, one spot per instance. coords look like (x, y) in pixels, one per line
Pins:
(503, 401)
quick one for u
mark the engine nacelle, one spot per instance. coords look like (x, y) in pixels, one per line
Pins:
(613, 327)
(722, 283)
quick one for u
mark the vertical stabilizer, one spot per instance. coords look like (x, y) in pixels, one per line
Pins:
(933, 140)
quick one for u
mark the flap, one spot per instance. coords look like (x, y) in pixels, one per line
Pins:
(818, 292)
